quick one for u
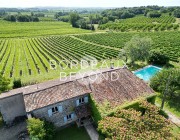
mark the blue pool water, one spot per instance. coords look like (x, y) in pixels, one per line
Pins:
(147, 72)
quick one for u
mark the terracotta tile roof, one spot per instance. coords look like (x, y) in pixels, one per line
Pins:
(126, 87)
(54, 95)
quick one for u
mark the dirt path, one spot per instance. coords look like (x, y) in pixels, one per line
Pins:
(172, 117)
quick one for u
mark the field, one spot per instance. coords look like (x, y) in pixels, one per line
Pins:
(31, 29)
(31, 56)
(27, 48)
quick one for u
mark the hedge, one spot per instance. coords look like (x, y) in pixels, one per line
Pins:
(98, 115)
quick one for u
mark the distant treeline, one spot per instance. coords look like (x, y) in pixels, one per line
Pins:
(110, 15)
(149, 11)
(21, 18)
(22, 10)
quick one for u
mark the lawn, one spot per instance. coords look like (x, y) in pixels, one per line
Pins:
(176, 131)
(31, 29)
(72, 133)
(172, 106)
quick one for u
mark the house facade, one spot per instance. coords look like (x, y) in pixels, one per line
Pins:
(64, 102)
(61, 113)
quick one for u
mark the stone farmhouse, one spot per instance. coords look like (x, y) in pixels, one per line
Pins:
(64, 102)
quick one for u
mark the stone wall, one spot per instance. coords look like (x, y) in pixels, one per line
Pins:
(68, 107)
(12, 107)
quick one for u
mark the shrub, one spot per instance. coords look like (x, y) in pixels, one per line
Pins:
(158, 57)
(36, 129)
(40, 129)
(17, 83)
(50, 130)
(4, 83)
(132, 124)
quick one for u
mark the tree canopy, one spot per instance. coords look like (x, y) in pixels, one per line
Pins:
(177, 13)
(159, 82)
(153, 14)
(21, 18)
(158, 57)
(73, 18)
(138, 48)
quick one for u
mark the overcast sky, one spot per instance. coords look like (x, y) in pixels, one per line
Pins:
(87, 3)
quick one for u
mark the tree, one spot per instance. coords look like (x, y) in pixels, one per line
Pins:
(73, 18)
(40, 129)
(36, 129)
(177, 13)
(132, 124)
(127, 14)
(10, 18)
(167, 83)
(32, 14)
(153, 14)
(104, 20)
(138, 48)
(4, 84)
(158, 57)
(91, 20)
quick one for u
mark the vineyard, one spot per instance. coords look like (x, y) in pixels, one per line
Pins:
(141, 23)
(143, 19)
(31, 56)
(168, 42)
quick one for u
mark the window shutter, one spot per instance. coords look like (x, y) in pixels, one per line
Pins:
(50, 112)
(65, 119)
(60, 108)
(86, 99)
(72, 115)
(77, 102)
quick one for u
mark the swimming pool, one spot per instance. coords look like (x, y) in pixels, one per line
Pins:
(147, 72)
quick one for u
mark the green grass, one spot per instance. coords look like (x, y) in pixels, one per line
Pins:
(72, 133)
(176, 131)
(31, 29)
(172, 106)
